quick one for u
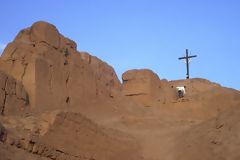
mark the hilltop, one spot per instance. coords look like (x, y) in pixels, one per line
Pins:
(58, 103)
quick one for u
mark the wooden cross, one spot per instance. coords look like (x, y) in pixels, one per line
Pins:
(187, 58)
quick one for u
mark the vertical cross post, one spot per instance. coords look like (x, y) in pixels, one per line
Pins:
(187, 58)
(187, 62)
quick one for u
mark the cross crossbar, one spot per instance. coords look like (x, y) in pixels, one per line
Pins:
(188, 57)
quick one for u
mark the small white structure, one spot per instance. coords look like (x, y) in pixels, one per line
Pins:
(181, 91)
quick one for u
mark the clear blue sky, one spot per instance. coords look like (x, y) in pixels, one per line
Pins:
(131, 34)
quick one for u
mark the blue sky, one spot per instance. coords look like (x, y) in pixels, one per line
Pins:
(134, 34)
